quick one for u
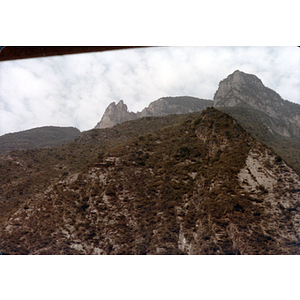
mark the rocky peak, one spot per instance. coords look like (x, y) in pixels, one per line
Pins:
(247, 90)
(115, 114)
(240, 89)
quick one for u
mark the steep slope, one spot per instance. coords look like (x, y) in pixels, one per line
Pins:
(42, 137)
(204, 186)
(116, 114)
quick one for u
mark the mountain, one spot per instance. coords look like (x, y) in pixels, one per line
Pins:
(218, 180)
(199, 186)
(42, 137)
(115, 114)
(246, 90)
(118, 113)
(239, 89)
(261, 111)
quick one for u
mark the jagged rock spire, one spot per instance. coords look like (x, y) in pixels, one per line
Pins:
(115, 114)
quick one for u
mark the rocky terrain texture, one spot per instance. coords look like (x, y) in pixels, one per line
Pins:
(201, 186)
(42, 137)
(118, 113)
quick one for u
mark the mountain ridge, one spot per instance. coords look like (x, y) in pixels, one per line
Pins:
(238, 89)
(242, 94)
(40, 137)
(209, 187)
(118, 113)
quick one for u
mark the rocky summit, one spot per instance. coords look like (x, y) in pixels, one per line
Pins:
(246, 90)
(177, 178)
(115, 114)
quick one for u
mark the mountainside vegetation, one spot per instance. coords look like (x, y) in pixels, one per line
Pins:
(24, 173)
(198, 184)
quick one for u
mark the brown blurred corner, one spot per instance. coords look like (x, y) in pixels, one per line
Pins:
(11, 52)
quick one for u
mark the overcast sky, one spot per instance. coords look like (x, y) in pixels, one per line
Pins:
(74, 90)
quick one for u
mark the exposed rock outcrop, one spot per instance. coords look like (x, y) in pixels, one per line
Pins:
(241, 89)
(115, 114)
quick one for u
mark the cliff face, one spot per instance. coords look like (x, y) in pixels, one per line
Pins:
(204, 186)
(241, 89)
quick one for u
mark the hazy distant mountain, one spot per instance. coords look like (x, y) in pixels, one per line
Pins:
(42, 137)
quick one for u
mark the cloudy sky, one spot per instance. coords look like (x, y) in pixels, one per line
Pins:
(74, 90)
